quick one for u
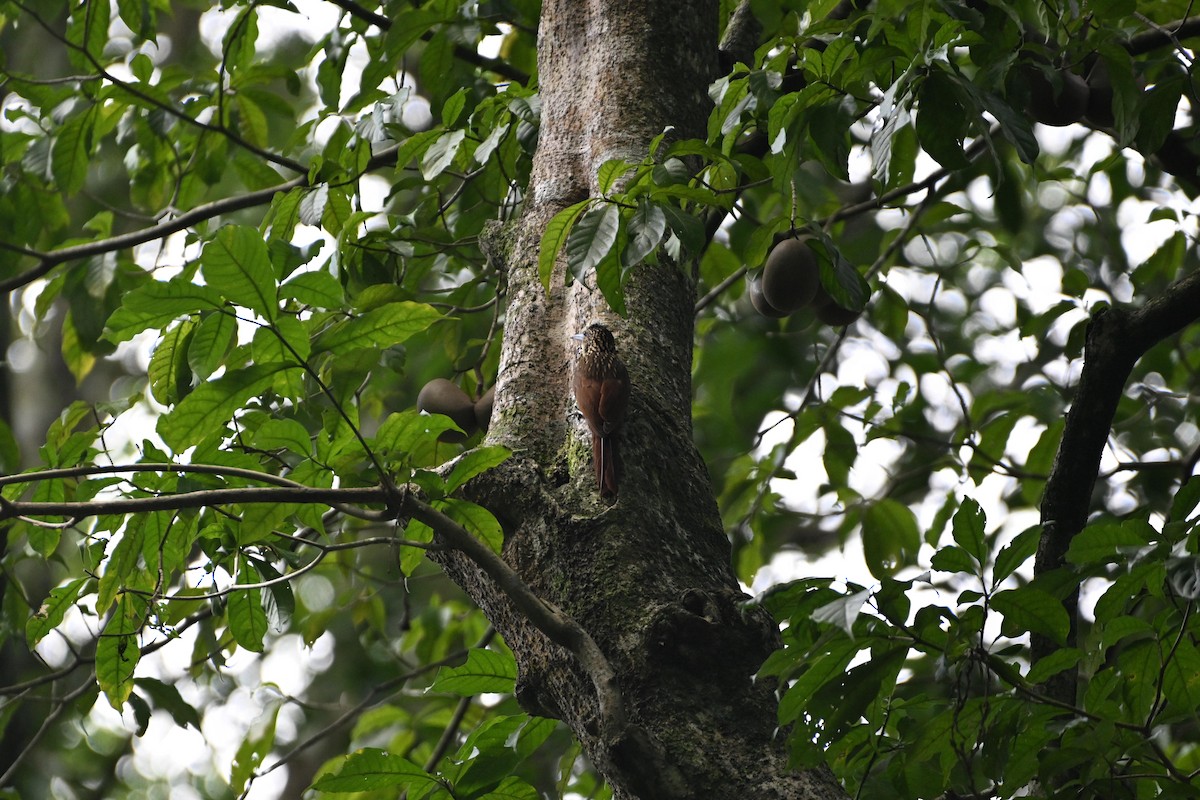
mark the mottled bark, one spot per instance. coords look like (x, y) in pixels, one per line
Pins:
(647, 577)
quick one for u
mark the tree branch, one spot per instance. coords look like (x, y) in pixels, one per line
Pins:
(11, 509)
(558, 627)
(363, 13)
(1116, 339)
(461, 52)
(49, 260)
(166, 108)
(1163, 36)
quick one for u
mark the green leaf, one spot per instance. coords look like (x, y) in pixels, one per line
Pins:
(555, 237)
(51, 613)
(139, 15)
(488, 146)
(1052, 664)
(480, 522)
(169, 374)
(1032, 610)
(1109, 541)
(284, 341)
(1015, 126)
(942, 121)
(247, 618)
(156, 304)
(484, 671)
(385, 326)
(454, 107)
(1186, 499)
(954, 559)
(237, 264)
(414, 147)
(511, 788)
(839, 277)
(209, 344)
(497, 748)
(821, 668)
(968, 530)
(592, 238)
(608, 280)
(890, 537)
(316, 289)
(647, 226)
(283, 433)
(71, 151)
(687, 228)
(1041, 459)
(610, 172)
(166, 697)
(1015, 553)
(205, 411)
(440, 155)
(117, 651)
(337, 211)
(411, 437)
(371, 768)
(473, 463)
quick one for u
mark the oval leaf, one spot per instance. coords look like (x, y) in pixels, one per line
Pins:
(484, 671)
(592, 238)
(237, 264)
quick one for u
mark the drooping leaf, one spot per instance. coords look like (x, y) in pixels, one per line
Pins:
(647, 226)
(555, 238)
(52, 611)
(478, 521)
(315, 289)
(118, 650)
(968, 529)
(169, 373)
(247, 618)
(891, 537)
(591, 239)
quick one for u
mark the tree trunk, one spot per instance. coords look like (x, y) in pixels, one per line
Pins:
(649, 576)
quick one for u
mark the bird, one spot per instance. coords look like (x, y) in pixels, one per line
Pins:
(601, 386)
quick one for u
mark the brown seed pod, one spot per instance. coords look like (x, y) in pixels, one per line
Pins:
(441, 396)
(829, 312)
(483, 409)
(791, 275)
(754, 289)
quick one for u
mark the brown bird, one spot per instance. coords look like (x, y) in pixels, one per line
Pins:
(602, 391)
